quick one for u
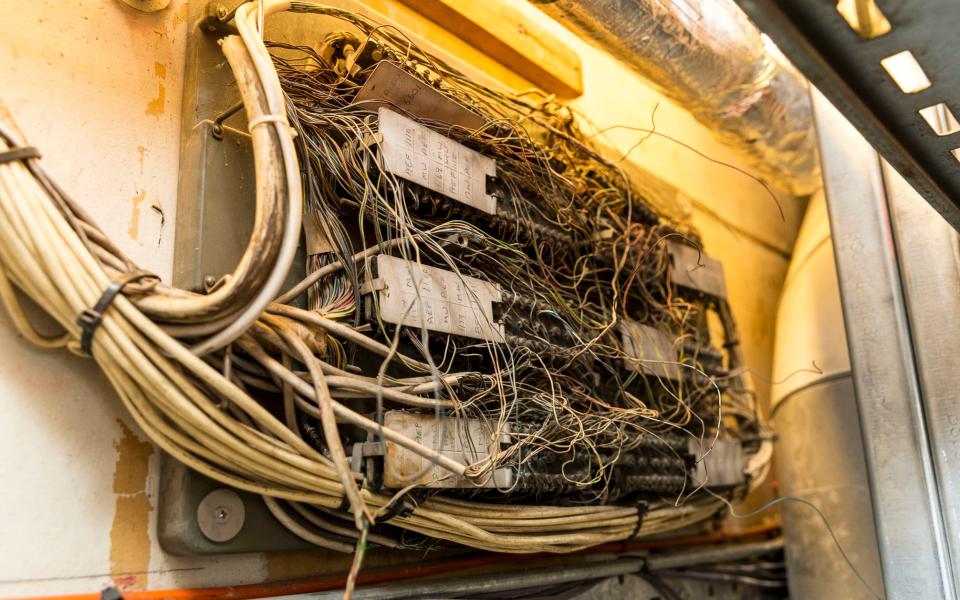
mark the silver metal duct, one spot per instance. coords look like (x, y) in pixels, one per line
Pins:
(708, 56)
(819, 449)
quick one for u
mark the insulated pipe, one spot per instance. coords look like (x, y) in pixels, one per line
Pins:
(819, 451)
(712, 60)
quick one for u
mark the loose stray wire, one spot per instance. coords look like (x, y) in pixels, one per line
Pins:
(202, 373)
(653, 132)
(269, 459)
(823, 519)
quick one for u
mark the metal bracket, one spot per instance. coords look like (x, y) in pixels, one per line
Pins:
(847, 70)
(910, 527)
(372, 285)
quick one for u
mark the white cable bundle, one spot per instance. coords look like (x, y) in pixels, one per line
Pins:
(50, 251)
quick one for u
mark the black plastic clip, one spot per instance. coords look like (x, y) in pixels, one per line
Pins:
(492, 185)
(401, 507)
(641, 511)
(91, 318)
(19, 153)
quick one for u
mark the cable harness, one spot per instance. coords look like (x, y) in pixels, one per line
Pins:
(259, 387)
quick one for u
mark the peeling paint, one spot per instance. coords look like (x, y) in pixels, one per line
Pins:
(129, 534)
(180, 15)
(134, 229)
(155, 107)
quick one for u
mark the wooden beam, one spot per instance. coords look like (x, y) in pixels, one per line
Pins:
(501, 30)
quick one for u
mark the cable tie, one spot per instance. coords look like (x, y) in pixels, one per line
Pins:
(401, 507)
(90, 319)
(281, 119)
(641, 511)
(19, 153)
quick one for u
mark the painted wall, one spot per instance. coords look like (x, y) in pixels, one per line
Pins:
(97, 87)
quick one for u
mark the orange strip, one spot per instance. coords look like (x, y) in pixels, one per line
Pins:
(333, 582)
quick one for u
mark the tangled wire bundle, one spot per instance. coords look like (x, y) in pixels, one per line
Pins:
(245, 387)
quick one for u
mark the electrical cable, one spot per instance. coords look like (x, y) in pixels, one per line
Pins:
(574, 253)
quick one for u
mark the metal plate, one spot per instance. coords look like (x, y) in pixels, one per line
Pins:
(391, 86)
(652, 351)
(178, 529)
(421, 155)
(416, 295)
(847, 70)
(721, 467)
(927, 254)
(220, 515)
(906, 505)
(466, 441)
(215, 213)
(692, 269)
(216, 196)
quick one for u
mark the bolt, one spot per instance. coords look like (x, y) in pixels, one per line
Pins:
(221, 12)
(209, 281)
(220, 513)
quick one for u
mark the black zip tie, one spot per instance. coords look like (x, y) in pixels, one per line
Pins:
(401, 507)
(19, 153)
(91, 318)
(641, 511)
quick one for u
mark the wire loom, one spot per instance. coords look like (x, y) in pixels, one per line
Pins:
(185, 364)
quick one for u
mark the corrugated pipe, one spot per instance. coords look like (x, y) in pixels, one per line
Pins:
(709, 57)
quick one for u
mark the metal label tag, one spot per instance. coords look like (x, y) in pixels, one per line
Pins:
(649, 351)
(421, 155)
(389, 85)
(416, 295)
(692, 269)
(464, 440)
(722, 467)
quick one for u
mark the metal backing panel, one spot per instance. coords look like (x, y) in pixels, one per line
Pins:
(215, 214)
(906, 505)
(178, 529)
(847, 70)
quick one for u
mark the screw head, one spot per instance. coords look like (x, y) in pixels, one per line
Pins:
(220, 515)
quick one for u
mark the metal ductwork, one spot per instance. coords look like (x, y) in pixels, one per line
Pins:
(711, 59)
